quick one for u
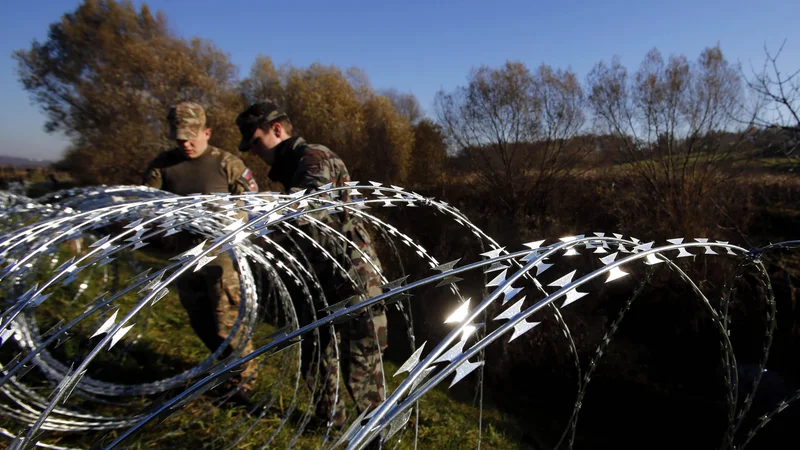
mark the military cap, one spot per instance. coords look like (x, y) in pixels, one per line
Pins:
(253, 117)
(186, 121)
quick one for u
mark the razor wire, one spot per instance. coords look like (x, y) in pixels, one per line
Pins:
(103, 228)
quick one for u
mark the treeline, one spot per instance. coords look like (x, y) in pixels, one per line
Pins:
(676, 127)
(108, 72)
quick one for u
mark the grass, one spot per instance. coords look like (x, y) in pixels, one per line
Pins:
(163, 344)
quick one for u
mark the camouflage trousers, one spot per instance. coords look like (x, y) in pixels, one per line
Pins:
(361, 340)
(211, 297)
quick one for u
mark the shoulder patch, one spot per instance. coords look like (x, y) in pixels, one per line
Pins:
(249, 180)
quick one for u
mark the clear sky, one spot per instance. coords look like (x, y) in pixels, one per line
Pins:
(420, 46)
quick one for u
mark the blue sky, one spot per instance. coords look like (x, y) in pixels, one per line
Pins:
(420, 46)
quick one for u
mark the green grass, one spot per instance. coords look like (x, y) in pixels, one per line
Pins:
(168, 346)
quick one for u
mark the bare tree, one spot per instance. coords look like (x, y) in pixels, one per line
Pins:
(515, 126)
(777, 102)
(673, 123)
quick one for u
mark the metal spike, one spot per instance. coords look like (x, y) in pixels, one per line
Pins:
(453, 352)
(447, 281)
(606, 260)
(465, 369)
(521, 328)
(675, 241)
(5, 334)
(171, 231)
(447, 266)
(105, 261)
(139, 245)
(509, 293)
(397, 424)
(534, 245)
(152, 283)
(106, 325)
(511, 311)
(599, 234)
(615, 273)
(541, 266)
(72, 385)
(571, 252)
(101, 241)
(565, 280)
(652, 259)
(192, 252)
(337, 306)
(161, 294)
(412, 361)
(498, 279)
(69, 280)
(119, 335)
(496, 266)
(36, 301)
(683, 253)
(395, 284)
(493, 253)
(422, 376)
(203, 261)
(133, 224)
(572, 296)
(139, 277)
(66, 264)
(139, 233)
(234, 225)
(643, 247)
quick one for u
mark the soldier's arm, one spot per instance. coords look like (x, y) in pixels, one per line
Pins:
(152, 177)
(312, 173)
(240, 177)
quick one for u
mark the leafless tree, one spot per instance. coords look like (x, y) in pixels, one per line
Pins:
(674, 124)
(777, 106)
(516, 126)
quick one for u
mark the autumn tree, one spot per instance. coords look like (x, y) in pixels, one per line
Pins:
(406, 104)
(428, 155)
(515, 127)
(106, 76)
(338, 109)
(673, 122)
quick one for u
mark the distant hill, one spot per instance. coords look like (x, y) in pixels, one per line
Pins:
(23, 163)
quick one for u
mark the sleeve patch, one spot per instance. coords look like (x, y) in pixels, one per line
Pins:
(249, 180)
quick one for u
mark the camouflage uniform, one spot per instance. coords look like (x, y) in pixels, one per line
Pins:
(211, 296)
(300, 166)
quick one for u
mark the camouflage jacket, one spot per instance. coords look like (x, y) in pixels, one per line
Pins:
(215, 171)
(299, 165)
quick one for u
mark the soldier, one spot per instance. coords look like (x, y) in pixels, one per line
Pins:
(211, 296)
(298, 165)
